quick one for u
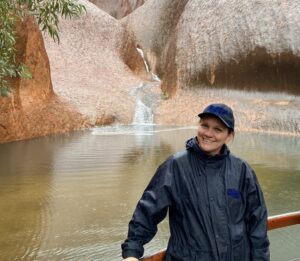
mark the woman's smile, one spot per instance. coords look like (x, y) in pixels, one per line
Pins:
(205, 140)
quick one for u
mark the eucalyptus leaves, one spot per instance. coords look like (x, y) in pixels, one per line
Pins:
(46, 12)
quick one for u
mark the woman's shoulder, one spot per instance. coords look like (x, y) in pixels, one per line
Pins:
(241, 164)
(173, 160)
(179, 155)
(237, 159)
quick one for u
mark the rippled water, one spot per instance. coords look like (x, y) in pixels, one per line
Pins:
(70, 197)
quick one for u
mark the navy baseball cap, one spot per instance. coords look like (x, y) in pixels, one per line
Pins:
(221, 111)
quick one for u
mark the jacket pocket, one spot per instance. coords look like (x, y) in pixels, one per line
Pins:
(235, 204)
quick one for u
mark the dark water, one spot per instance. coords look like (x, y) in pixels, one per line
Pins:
(70, 197)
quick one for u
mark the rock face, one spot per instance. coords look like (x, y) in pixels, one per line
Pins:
(247, 44)
(118, 8)
(91, 83)
(87, 69)
(232, 43)
(204, 50)
(31, 51)
(32, 109)
(154, 26)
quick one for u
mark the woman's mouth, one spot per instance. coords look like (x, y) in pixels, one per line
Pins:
(207, 141)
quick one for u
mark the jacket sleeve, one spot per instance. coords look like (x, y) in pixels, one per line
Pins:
(256, 219)
(151, 209)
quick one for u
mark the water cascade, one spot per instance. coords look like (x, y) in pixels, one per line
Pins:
(154, 77)
(143, 114)
(147, 95)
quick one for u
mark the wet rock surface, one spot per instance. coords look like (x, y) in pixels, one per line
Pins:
(254, 111)
(32, 109)
(154, 26)
(260, 37)
(243, 53)
(221, 43)
(87, 69)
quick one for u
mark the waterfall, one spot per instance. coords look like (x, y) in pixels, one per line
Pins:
(143, 114)
(141, 53)
(145, 97)
(154, 77)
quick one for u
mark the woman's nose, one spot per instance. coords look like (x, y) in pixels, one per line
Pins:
(208, 132)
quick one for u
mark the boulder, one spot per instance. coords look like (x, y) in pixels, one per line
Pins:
(234, 44)
(154, 27)
(250, 45)
(31, 51)
(88, 70)
(244, 53)
(32, 109)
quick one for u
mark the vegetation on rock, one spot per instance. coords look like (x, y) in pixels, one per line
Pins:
(46, 12)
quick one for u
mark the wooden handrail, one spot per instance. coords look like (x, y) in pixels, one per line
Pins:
(284, 220)
(274, 222)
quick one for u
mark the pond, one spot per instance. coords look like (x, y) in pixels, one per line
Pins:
(70, 197)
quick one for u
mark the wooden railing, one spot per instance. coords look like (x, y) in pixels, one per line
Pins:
(284, 220)
(274, 222)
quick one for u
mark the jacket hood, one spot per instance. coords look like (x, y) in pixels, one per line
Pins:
(192, 145)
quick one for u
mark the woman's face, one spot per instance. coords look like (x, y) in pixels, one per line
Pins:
(212, 135)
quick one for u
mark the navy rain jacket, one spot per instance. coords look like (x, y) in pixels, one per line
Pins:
(216, 209)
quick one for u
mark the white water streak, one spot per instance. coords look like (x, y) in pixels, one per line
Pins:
(140, 51)
(142, 114)
(154, 77)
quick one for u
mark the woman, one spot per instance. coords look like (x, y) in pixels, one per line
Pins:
(216, 207)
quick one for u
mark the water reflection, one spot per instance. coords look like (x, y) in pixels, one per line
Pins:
(70, 197)
(25, 185)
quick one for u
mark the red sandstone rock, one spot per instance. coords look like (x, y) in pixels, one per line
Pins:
(221, 43)
(203, 49)
(87, 69)
(240, 44)
(93, 88)
(154, 26)
(32, 109)
(31, 51)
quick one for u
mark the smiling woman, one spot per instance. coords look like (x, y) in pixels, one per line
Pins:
(216, 128)
(215, 204)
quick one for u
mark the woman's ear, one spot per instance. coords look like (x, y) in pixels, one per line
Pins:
(229, 137)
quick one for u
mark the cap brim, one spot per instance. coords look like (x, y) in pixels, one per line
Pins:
(215, 115)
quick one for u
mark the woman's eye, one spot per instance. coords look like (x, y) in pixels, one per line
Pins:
(204, 126)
